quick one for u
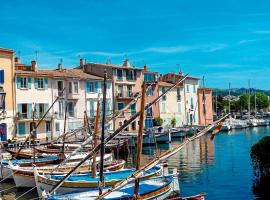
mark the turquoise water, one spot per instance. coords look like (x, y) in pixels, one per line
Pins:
(220, 168)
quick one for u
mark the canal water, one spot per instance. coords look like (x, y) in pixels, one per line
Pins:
(220, 168)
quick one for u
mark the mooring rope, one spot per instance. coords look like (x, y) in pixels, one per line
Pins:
(6, 177)
(26, 193)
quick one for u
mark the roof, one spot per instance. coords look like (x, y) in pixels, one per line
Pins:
(204, 88)
(6, 50)
(166, 84)
(112, 66)
(65, 73)
(181, 75)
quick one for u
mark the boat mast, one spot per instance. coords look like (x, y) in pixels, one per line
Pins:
(95, 135)
(249, 99)
(216, 104)
(139, 143)
(64, 138)
(101, 165)
(204, 106)
(229, 97)
(255, 101)
(34, 131)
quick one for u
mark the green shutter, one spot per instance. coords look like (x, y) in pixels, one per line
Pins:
(29, 82)
(19, 82)
(87, 86)
(29, 111)
(46, 83)
(46, 105)
(36, 83)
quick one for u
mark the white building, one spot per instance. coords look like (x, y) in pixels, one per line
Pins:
(77, 92)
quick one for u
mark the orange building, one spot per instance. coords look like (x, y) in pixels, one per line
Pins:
(205, 106)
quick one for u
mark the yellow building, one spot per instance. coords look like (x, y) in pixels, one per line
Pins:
(7, 100)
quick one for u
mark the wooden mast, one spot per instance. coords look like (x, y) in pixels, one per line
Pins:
(95, 135)
(101, 165)
(34, 132)
(64, 138)
(139, 143)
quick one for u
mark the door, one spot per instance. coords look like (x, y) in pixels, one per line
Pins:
(60, 87)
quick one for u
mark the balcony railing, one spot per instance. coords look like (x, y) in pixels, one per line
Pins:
(23, 116)
(125, 94)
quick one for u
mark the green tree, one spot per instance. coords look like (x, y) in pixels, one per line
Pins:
(173, 122)
(158, 121)
(262, 101)
(243, 101)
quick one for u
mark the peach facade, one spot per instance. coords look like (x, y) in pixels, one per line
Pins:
(7, 127)
(205, 106)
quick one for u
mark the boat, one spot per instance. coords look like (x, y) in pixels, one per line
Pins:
(163, 137)
(6, 172)
(24, 154)
(24, 176)
(226, 126)
(194, 197)
(83, 182)
(154, 188)
(179, 132)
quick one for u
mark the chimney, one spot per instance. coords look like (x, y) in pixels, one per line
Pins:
(145, 67)
(59, 67)
(82, 62)
(17, 60)
(126, 63)
(33, 65)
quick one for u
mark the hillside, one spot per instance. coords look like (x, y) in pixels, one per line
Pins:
(238, 91)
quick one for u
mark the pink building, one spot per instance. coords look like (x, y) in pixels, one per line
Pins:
(205, 107)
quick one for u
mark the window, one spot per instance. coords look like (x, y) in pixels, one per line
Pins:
(150, 91)
(21, 128)
(60, 88)
(120, 90)
(163, 107)
(57, 127)
(119, 74)
(70, 89)
(2, 76)
(149, 77)
(61, 109)
(23, 82)
(133, 109)
(89, 87)
(76, 87)
(71, 109)
(129, 90)
(41, 109)
(25, 110)
(191, 103)
(32, 125)
(149, 112)
(194, 88)
(40, 83)
(187, 88)
(48, 127)
(163, 91)
(178, 94)
(120, 106)
(131, 75)
(133, 126)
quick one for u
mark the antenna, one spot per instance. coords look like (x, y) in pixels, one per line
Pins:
(61, 61)
(179, 69)
(108, 60)
(36, 53)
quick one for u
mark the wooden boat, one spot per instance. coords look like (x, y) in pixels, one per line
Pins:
(24, 154)
(83, 182)
(24, 176)
(6, 172)
(49, 150)
(195, 197)
(164, 137)
(154, 188)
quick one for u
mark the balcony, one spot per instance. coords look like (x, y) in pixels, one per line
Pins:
(73, 96)
(125, 95)
(29, 116)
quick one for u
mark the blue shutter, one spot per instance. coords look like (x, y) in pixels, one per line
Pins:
(96, 86)
(46, 83)
(36, 83)
(19, 82)
(87, 86)
(29, 82)
(2, 80)
(29, 111)
(21, 128)
(46, 105)
(19, 108)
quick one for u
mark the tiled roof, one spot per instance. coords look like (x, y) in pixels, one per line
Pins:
(64, 73)
(166, 84)
(112, 66)
(6, 50)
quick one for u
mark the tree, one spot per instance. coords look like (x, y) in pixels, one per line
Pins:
(260, 156)
(173, 122)
(262, 101)
(158, 121)
(243, 101)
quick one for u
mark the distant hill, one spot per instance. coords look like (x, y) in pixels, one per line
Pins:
(238, 91)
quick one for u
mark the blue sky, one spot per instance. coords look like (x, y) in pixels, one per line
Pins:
(224, 41)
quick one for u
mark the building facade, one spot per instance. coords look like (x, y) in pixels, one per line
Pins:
(205, 106)
(37, 90)
(7, 128)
